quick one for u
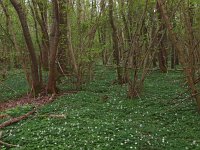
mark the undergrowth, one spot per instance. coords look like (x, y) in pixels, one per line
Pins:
(13, 86)
(101, 117)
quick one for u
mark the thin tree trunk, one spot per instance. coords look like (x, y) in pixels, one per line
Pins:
(42, 20)
(180, 49)
(115, 42)
(36, 85)
(69, 43)
(54, 39)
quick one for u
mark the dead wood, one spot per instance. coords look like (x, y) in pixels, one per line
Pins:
(7, 144)
(54, 116)
(1, 133)
(57, 116)
(17, 119)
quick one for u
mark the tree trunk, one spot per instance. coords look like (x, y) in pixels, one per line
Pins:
(162, 58)
(62, 47)
(41, 17)
(69, 43)
(36, 85)
(181, 53)
(54, 39)
(115, 43)
(162, 54)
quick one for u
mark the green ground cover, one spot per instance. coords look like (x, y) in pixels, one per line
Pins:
(13, 86)
(101, 117)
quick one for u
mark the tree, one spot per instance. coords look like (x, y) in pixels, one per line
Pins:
(54, 40)
(36, 84)
(183, 56)
(116, 49)
(40, 12)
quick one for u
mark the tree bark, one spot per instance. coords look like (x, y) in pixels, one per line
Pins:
(36, 85)
(54, 39)
(115, 42)
(182, 55)
(69, 42)
(41, 17)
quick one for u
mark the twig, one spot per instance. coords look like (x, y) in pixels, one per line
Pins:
(7, 144)
(54, 116)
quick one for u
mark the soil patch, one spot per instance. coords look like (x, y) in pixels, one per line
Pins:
(27, 99)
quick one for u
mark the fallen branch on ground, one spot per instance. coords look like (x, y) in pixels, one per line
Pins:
(17, 119)
(1, 134)
(7, 144)
(57, 116)
(54, 116)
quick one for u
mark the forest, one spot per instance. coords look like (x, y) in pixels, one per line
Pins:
(99, 74)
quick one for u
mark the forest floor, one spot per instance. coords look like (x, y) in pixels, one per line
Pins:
(101, 117)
